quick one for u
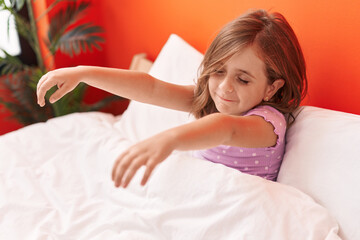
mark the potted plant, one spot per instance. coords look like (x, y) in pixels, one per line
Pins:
(18, 84)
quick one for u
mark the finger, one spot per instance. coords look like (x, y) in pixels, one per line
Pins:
(133, 168)
(40, 83)
(42, 80)
(121, 169)
(114, 169)
(46, 86)
(149, 169)
(116, 164)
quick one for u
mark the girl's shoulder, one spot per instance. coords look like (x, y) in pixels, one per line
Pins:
(271, 115)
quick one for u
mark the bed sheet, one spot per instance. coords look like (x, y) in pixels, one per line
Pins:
(55, 183)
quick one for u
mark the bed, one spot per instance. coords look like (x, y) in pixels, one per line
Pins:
(55, 178)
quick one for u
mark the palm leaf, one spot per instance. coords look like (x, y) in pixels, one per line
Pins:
(71, 102)
(10, 64)
(79, 39)
(37, 73)
(62, 20)
(21, 100)
(24, 29)
(18, 86)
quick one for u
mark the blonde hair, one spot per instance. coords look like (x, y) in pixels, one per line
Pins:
(276, 44)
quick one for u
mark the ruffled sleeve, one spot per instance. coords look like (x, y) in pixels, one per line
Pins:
(274, 117)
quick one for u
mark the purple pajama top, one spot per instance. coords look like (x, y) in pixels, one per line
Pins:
(263, 162)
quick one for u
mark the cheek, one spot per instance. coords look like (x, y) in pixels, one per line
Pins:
(251, 95)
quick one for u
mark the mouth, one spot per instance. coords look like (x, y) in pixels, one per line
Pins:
(225, 99)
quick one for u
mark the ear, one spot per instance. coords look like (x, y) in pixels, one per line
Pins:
(273, 88)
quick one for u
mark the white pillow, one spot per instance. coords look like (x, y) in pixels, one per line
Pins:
(322, 159)
(178, 63)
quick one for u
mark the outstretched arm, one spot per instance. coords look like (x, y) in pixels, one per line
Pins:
(210, 131)
(133, 85)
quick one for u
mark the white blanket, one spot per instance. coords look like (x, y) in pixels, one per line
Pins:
(55, 183)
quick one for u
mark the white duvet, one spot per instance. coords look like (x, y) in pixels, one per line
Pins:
(55, 183)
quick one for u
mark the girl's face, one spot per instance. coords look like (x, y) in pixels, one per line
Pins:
(240, 83)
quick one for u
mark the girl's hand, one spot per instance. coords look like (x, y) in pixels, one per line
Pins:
(66, 79)
(149, 153)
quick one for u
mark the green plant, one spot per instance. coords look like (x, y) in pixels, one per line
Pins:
(18, 81)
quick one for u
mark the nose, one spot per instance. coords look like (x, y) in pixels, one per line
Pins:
(226, 85)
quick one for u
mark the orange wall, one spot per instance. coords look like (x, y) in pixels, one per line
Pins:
(328, 30)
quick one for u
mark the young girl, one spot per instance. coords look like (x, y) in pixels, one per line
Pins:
(252, 74)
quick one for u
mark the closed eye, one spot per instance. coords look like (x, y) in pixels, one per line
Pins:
(242, 81)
